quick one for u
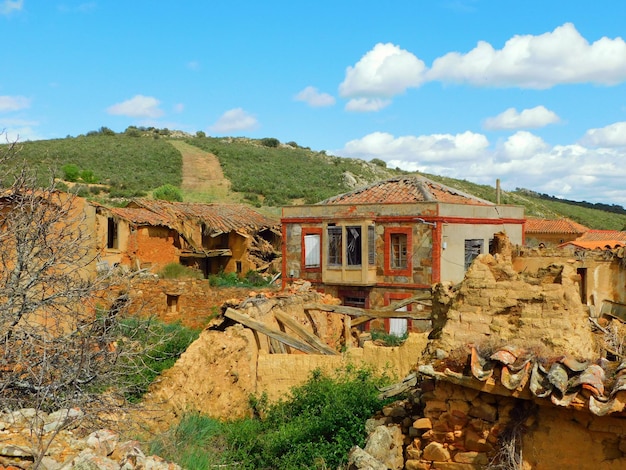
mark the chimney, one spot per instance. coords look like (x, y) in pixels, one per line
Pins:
(498, 191)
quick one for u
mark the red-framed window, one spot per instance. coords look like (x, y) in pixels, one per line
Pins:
(311, 249)
(398, 251)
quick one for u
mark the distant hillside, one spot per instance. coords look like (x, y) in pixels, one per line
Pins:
(262, 172)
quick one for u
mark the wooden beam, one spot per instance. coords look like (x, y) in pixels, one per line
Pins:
(307, 336)
(263, 328)
(363, 312)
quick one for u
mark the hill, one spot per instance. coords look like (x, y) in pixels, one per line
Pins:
(262, 172)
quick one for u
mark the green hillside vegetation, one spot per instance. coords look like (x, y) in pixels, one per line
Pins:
(266, 173)
(278, 175)
(126, 166)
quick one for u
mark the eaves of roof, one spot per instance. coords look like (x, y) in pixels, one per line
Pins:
(563, 380)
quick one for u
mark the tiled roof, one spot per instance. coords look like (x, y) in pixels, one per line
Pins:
(563, 380)
(216, 217)
(553, 226)
(594, 244)
(405, 190)
(603, 235)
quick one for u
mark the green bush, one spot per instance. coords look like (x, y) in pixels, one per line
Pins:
(88, 177)
(388, 339)
(167, 192)
(314, 428)
(270, 142)
(71, 172)
(201, 134)
(379, 162)
(251, 279)
(178, 271)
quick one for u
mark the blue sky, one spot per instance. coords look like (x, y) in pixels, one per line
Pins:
(532, 93)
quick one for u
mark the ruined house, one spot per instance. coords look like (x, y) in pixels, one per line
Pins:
(213, 238)
(549, 232)
(388, 241)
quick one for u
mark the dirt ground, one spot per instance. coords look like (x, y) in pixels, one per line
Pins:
(202, 174)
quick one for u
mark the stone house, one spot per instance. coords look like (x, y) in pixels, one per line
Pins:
(387, 241)
(551, 232)
(213, 238)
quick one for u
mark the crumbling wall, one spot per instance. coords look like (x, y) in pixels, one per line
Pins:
(495, 304)
(447, 426)
(229, 362)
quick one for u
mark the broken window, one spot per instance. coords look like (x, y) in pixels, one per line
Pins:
(472, 249)
(353, 251)
(312, 250)
(112, 239)
(398, 254)
(334, 246)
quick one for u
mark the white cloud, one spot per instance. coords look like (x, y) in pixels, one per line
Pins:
(235, 120)
(9, 6)
(383, 72)
(17, 130)
(535, 117)
(560, 56)
(613, 135)
(311, 96)
(524, 160)
(13, 103)
(138, 106)
(420, 150)
(361, 105)
(179, 108)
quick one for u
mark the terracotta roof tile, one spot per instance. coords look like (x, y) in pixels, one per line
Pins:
(603, 235)
(563, 380)
(594, 244)
(554, 226)
(405, 190)
(216, 217)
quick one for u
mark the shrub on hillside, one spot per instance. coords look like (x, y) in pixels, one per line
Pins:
(270, 142)
(71, 172)
(167, 192)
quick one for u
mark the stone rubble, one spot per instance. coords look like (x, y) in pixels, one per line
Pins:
(24, 432)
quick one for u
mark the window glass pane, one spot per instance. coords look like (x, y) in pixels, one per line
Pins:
(353, 249)
(312, 251)
(334, 246)
(472, 249)
(398, 255)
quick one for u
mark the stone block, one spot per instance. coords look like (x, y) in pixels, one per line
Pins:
(436, 452)
(423, 424)
(483, 410)
(416, 465)
(476, 458)
(477, 443)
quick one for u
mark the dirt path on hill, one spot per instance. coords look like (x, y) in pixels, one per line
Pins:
(202, 173)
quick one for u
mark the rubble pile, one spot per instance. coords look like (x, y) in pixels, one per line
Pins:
(28, 434)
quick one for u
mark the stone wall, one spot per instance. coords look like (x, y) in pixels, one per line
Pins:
(451, 427)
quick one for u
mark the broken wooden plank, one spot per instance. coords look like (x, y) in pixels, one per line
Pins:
(304, 334)
(404, 302)
(266, 330)
(363, 312)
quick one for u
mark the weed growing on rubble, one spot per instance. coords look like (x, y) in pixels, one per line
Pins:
(163, 345)
(314, 428)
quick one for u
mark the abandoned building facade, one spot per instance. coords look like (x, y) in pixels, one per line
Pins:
(387, 241)
(213, 238)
